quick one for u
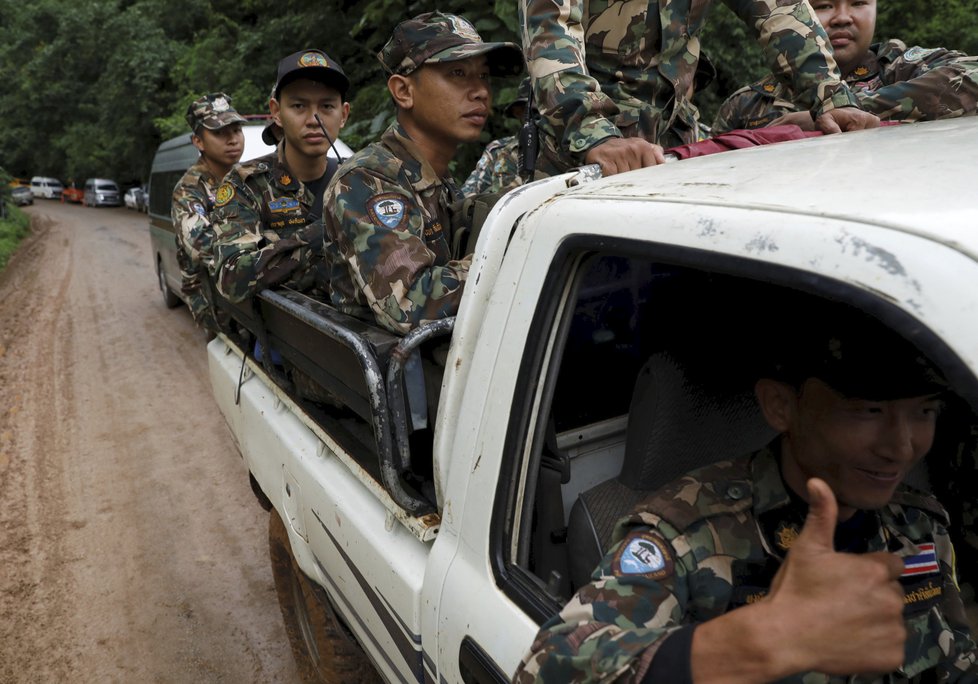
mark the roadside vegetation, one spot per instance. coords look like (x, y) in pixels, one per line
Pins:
(14, 227)
(91, 88)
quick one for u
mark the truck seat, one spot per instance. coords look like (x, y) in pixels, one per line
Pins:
(675, 425)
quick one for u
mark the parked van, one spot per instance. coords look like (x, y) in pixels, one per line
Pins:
(46, 187)
(173, 158)
(102, 192)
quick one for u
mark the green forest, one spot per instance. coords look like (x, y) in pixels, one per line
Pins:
(91, 88)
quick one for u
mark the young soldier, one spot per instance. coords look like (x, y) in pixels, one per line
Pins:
(267, 213)
(808, 561)
(498, 169)
(217, 135)
(388, 222)
(613, 81)
(888, 79)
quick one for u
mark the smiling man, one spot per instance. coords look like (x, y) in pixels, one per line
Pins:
(388, 222)
(268, 212)
(889, 79)
(807, 562)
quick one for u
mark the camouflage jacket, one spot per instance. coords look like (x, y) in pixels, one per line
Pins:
(388, 226)
(498, 168)
(718, 536)
(262, 234)
(601, 67)
(892, 81)
(193, 200)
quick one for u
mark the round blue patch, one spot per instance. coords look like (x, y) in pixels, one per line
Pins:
(388, 210)
(644, 554)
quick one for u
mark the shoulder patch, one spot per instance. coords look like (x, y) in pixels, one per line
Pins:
(224, 194)
(917, 53)
(645, 554)
(388, 209)
(923, 562)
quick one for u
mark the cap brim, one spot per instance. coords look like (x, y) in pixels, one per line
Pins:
(268, 134)
(325, 75)
(505, 59)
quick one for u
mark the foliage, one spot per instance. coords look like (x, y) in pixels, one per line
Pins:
(14, 224)
(92, 88)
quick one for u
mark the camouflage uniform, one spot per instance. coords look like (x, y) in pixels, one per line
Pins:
(712, 541)
(388, 233)
(498, 169)
(193, 200)
(262, 234)
(893, 82)
(605, 69)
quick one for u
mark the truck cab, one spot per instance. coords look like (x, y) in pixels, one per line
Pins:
(436, 497)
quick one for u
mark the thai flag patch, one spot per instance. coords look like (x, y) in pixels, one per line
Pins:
(924, 562)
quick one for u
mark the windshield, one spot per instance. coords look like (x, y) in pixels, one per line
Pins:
(106, 186)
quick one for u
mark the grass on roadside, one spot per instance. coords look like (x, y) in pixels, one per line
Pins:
(13, 229)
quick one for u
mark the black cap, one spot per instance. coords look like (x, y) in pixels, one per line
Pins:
(315, 65)
(857, 356)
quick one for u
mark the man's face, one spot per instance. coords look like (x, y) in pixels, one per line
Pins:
(862, 449)
(223, 146)
(850, 25)
(452, 100)
(295, 109)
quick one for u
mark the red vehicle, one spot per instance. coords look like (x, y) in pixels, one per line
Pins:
(72, 194)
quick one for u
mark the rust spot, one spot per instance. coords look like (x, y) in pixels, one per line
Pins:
(431, 519)
(458, 363)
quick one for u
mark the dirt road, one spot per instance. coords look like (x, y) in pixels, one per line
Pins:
(131, 547)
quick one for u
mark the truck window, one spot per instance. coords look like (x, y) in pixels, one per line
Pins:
(650, 374)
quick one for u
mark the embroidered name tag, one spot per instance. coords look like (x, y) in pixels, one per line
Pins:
(924, 562)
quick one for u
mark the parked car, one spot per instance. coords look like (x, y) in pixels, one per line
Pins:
(135, 199)
(101, 192)
(21, 196)
(46, 187)
(72, 194)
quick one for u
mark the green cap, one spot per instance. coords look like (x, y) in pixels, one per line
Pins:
(212, 111)
(436, 37)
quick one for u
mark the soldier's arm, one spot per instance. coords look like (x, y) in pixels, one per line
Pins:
(189, 212)
(393, 268)
(242, 258)
(480, 180)
(798, 51)
(931, 84)
(566, 95)
(963, 666)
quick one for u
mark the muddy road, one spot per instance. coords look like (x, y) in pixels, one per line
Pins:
(131, 547)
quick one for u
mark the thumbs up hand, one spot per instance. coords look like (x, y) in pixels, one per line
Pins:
(838, 613)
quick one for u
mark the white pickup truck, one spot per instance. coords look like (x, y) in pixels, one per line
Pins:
(434, 498)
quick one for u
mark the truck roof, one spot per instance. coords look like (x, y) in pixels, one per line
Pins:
(920, 178)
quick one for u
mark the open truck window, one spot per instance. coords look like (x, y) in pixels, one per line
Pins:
(645, 370)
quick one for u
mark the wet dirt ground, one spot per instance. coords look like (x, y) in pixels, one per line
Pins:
(131, 546)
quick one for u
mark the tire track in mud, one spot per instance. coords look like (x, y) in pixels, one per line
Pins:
(131, 548)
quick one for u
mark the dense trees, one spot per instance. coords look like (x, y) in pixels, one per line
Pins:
(91, 88)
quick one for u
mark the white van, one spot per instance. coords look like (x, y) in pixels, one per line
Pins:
(46, 187)
(101, 192)
(173, 158)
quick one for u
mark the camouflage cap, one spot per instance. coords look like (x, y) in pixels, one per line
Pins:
(213, 112)
(436, 37)
(315, 65)
(857, 356)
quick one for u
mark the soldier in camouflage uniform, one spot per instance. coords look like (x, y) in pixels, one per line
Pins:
(268, 212)
(498, 169)
(612, 78)
(217, 135)
(804, 562)
(888, 79)
(389, 228)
